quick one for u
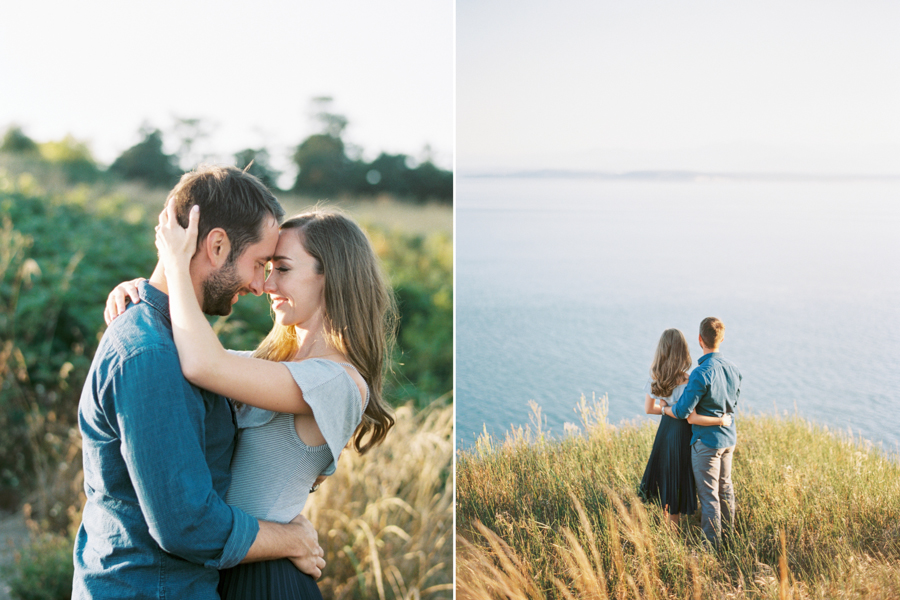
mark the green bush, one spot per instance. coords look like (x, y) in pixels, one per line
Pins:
(421, 271)
(57, 260)
(147, 162)
(43, 571)
(73, 157)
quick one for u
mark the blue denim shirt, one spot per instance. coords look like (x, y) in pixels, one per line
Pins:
(157, 452)
(713, 389)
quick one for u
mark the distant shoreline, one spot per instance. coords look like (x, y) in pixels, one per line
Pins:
(679, 176)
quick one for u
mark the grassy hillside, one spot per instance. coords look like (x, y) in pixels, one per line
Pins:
(818, 517)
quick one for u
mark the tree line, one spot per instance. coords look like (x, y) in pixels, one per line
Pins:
(326, 166)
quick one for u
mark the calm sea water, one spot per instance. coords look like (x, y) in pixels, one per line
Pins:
(563, 288)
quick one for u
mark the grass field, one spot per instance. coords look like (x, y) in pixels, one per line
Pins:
(385, 519)
(818, 517)
(383, 212)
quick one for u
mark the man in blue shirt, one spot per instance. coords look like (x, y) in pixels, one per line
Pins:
(157, 450)
(713, 389)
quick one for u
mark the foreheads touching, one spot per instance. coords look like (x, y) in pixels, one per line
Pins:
(712, 332)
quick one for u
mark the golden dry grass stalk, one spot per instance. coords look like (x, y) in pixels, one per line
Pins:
(385, 519)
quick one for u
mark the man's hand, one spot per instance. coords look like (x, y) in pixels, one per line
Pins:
(296, 541)
(312, 561)
(726, 420)
(119, 297)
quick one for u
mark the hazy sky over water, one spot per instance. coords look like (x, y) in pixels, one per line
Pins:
(97, 69)
(748, 85)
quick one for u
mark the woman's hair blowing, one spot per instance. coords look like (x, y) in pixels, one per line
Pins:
(670, 363)
(360, 310)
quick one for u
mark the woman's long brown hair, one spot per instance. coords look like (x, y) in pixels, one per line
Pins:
(670, 363)
(360, 310)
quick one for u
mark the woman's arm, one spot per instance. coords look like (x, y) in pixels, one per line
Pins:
(204, 362)
(695, 419)
(650, 405)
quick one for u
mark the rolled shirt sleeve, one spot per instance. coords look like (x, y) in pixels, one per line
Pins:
(696, 388)
(161, 422)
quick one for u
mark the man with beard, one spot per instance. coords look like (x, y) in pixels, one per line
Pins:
(156, 449)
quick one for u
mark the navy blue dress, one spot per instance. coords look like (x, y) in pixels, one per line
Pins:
(669, 477)
(270, 579)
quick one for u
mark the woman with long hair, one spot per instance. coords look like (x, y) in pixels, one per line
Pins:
(313, 384)
(669, 478)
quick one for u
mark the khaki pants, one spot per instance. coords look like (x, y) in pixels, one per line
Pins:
(712, 473)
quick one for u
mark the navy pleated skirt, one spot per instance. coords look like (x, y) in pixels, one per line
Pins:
(267, 580)
(669, 478)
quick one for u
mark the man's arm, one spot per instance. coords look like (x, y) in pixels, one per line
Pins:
(163, 431)
(297, 541)
(694, 390)
(161, 423)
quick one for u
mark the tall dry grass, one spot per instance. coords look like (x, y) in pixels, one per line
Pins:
(385, 519)
(818, 517)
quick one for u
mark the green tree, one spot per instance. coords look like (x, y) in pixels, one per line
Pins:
(428, 182)
(392, 174)
(146, 161)
(259, 166)
(332, 123)
(16, 142)
(322, 164)
(74, 157)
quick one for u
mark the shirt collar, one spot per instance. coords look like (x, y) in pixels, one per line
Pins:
(700, 360)
(154, 298)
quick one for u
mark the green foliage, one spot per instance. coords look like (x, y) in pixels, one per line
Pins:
(429, 182)
(146, 162)
(73, 157)
(58, 259)
(391, 174)
(43, 570)
(259, 166)
(322, 164)
(835, 499)
(15, 141)
(421, 272)
(326, 169)
(67, 157)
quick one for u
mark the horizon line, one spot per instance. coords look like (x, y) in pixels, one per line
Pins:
(677, 175)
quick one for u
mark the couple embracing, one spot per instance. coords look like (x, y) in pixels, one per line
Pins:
(197, 460)
(695, 442)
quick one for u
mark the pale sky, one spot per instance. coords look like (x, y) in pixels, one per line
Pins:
(747, 85)
(97, 69)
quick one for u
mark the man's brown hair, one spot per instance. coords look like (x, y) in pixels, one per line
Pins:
(712, 332)
(228, 198)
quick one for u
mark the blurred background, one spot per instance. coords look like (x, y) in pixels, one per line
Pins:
(103, 107)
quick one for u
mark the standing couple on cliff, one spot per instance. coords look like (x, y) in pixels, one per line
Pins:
(694, 445)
